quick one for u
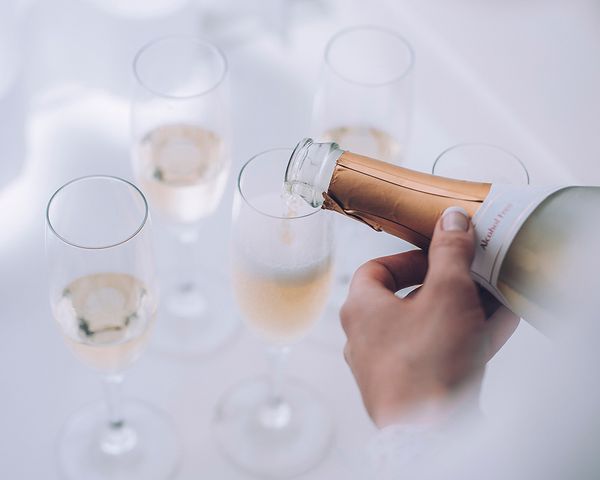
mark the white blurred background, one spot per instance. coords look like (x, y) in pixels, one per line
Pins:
(521, 74)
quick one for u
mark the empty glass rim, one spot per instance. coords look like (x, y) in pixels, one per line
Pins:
(249, 203)
(484, 145)
(377, 28)
(97, 177)
(190, 38)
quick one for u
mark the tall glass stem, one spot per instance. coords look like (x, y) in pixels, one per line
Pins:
(187, 254)
(118, 437)
(276, 413)
(185, 299)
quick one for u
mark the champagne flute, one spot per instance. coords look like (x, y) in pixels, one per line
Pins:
(481, 162)
(281, 262)
(364, 99)
(363, 103)
(103, 296)
(180, 125)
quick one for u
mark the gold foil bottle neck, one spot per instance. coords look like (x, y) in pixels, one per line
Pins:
(399, 201)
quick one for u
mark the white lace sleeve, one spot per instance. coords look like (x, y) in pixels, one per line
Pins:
(396, 449)
(412, 445)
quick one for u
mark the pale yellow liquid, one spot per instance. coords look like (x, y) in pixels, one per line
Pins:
(106, 319)
(281, 306)
(281, 267)
(182, 169)
(367, 141)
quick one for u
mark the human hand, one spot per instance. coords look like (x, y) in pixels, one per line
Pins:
(422, 356)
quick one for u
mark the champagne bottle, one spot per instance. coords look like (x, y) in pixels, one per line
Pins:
(534, 244)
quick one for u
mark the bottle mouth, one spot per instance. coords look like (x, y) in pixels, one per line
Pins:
(308, 168)
(293, 184)
(296, 160)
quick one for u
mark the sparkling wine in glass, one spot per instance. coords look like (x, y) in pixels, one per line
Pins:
(106, 319)
(281, 269)
(104, 300)
(294, 299)
(181, 159)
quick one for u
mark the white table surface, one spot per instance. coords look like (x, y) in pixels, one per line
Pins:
(520, 74)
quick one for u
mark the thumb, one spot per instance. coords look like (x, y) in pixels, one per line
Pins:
(451, 252)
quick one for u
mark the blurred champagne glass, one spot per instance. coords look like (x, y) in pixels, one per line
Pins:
(364, 99)
(281, 268)
(104, 298)
(181, 157)
(363, 103)
(481, 162)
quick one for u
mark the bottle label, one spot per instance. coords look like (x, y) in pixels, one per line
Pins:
(496, 224)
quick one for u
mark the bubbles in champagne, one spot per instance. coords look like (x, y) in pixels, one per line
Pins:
(281, 266)
(105, 318)
(182, 169)
(281, 305)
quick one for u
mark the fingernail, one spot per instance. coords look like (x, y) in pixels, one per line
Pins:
(455, 219)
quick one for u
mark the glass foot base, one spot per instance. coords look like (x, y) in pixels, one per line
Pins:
(155, 455)
(195, 318)
(270, 449)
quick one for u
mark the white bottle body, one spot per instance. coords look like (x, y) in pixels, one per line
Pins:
(548, 267)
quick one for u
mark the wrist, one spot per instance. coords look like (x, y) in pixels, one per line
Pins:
(424, 412)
